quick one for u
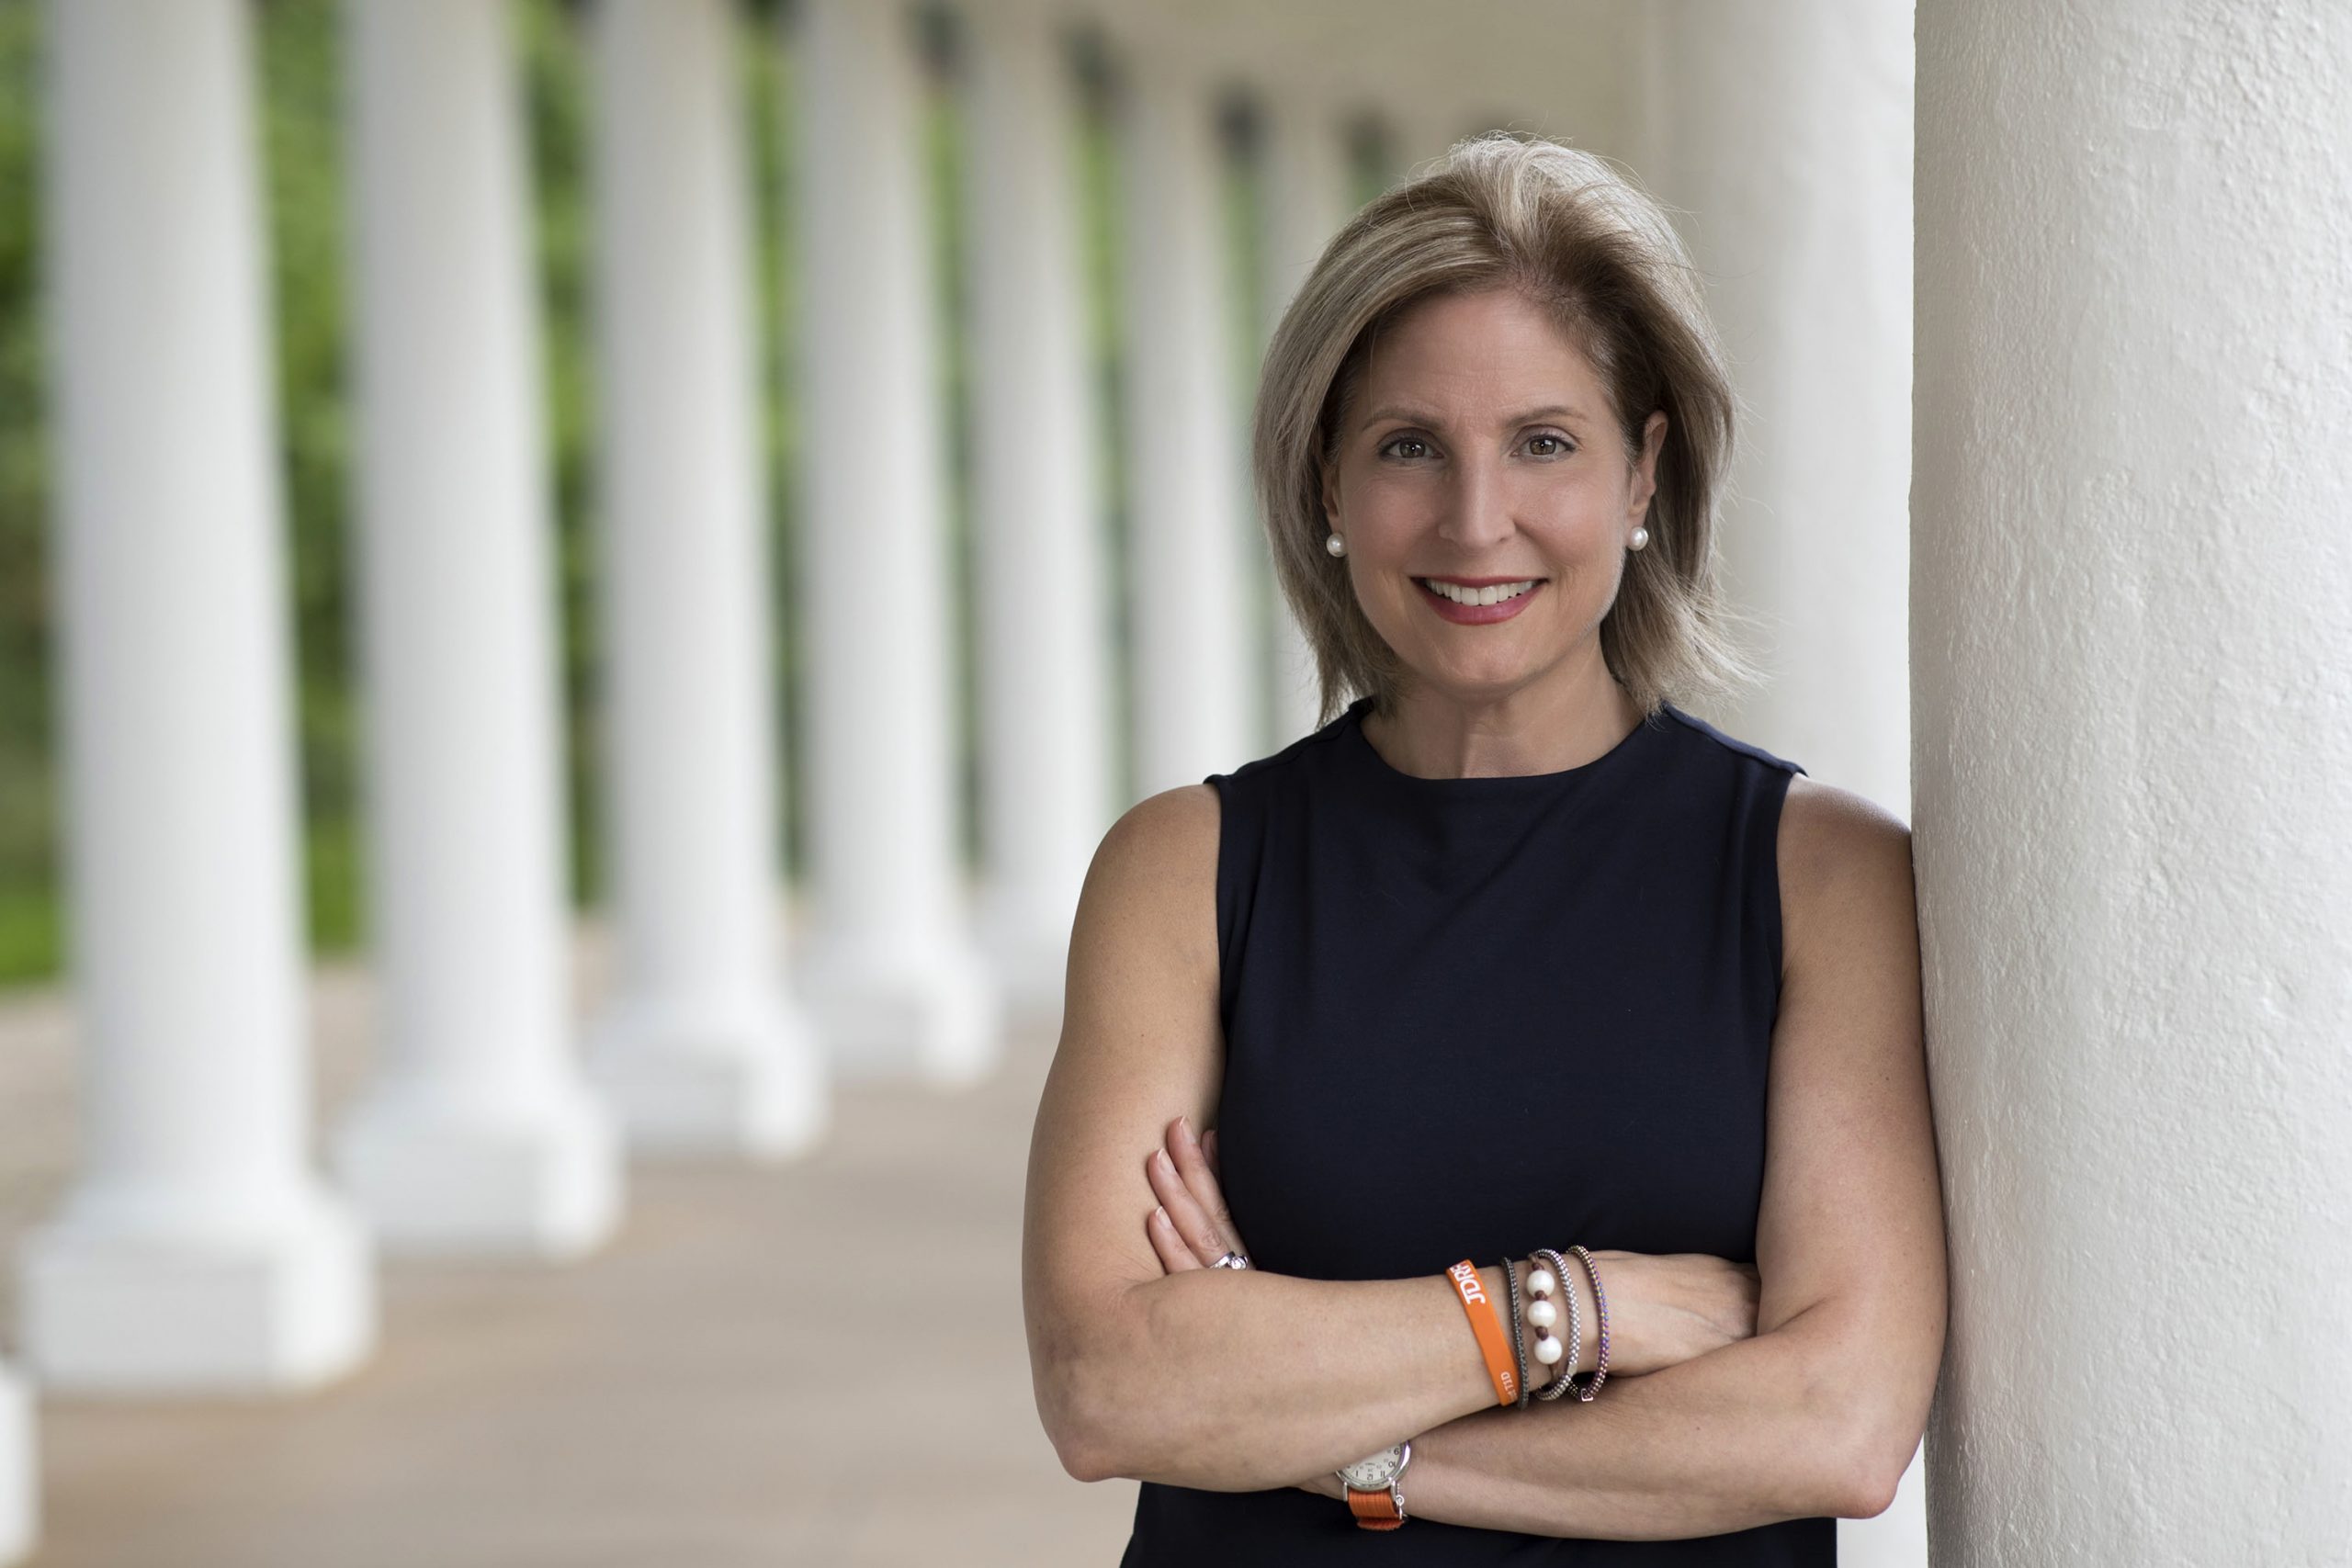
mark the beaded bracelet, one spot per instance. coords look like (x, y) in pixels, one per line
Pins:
(1556, 1272)
(1518, 1344)
(1601, 1306)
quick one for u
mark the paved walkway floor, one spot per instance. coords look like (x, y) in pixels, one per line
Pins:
(820, 1362)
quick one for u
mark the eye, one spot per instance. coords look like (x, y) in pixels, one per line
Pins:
(1402, 441)
(1561, 444)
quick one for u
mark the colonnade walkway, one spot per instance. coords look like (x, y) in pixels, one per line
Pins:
(816, 1361)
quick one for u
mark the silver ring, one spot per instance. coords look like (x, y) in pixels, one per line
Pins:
(1231, 1261)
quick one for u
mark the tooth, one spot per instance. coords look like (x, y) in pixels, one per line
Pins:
(1496, 594)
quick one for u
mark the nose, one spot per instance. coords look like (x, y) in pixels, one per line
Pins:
(1477, 506)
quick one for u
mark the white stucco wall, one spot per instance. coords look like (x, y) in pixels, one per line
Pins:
(2132, 623)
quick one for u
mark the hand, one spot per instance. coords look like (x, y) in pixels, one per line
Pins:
(1192, 1228)
(1665, 1308)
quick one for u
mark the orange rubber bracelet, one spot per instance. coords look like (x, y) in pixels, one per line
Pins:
(1489, 1327)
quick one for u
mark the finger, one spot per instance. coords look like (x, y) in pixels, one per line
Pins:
(1190, 1221)
(1174, 1254)
(1200, 1181)
(1208, 1188)
(1193, 1223)
(1186, 1199)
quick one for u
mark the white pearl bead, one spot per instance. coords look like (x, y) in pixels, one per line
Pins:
(1549, 1350)
(1544, 1314)
(1539, 1282)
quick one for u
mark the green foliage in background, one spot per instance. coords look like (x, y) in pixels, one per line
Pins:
(766, 85)
(300, 124)
(32, 933)
(302, 86)
(300, 121)
(553, 52)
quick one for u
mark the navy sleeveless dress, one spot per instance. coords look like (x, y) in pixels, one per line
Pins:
(1472, 1017)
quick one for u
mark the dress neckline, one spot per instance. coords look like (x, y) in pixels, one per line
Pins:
(1354, 737)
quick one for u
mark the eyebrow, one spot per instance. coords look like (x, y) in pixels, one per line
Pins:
(1414, 416)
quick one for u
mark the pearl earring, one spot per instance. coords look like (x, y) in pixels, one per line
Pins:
(1641, 537)
(1336, 544)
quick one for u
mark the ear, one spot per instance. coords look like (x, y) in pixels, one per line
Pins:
(1331, 496)
(1645, 469)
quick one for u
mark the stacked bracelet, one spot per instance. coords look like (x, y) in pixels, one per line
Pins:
(1518, 1341)
(1600, 1310)
(1543, 1314)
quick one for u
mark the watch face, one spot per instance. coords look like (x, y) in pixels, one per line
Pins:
(1375, 1475)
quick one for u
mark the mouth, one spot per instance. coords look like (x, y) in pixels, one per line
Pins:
(1479, 589)
(1478, 600)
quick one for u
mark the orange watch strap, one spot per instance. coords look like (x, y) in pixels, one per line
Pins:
(1487, 1324)
(1373, 1510)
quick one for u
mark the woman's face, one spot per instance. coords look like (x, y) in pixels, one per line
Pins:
(1481, 451)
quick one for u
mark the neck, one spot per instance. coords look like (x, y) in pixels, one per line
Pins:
(1542, 728)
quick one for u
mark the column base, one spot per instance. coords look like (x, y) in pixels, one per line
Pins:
(19, 1470)
(929, 1013)
(109, 1309)
(440, 1179)
(743, 1082)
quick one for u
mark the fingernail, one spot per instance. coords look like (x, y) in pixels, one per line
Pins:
(1162, 1157)
(1160, 1213)
(1186, 1125)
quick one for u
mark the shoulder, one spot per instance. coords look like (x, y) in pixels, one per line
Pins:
(1176, 831)
(1843, 860)
(1154, 877)
(1156, 870)
(1707, 739)
(1846, 878)
(1830, 835)
(1314, 753)
(1171, 834)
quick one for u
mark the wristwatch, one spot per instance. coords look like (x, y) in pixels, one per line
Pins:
(1374, 1496)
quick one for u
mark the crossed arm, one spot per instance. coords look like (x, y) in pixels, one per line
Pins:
(1243, 1380)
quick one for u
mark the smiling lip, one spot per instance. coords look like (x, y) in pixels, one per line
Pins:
(1477, 615)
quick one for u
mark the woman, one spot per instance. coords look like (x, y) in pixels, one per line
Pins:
(1512, 955)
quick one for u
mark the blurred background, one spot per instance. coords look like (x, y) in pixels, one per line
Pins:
(580, 580)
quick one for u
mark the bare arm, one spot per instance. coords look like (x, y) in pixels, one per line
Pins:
(1232, 1380)
(1849, 1247)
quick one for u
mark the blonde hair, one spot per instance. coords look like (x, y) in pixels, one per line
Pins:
(1581, 241)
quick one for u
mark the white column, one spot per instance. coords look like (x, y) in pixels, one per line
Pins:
(19, 1470)
(1783, 134)
(479, 1134)
(699, 1049)
(196, 1251)
(1044, 592)
(890, 963)
(1304, 183)
(1196, 702)
(2132, 623)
